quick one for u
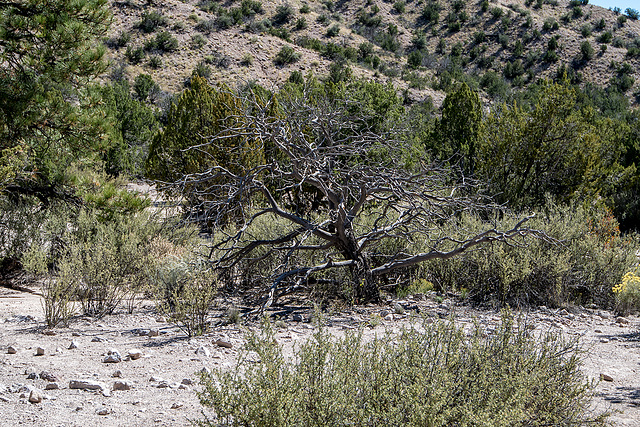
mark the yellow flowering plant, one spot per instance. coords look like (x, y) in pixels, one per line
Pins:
(627, 292)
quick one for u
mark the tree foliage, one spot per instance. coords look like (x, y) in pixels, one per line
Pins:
(49, 51)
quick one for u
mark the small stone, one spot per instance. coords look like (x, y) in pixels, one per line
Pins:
(203, 351)
(399, 309)
(73, 345)
(121, 385)
(297, 317)
(605, 377)
(604, 314)
(50, 332)
(52, 386)
(163, 384)
(161, 319)
(570, 316)
(183, 387)
(205, 370)
(622, 320)
(597, 331)
(48, 376)
(32, 376)
(75, 334)
(389, 317)
(384, 313)
(12, 350)
(40, 351)
(563, 312)
(135, 354)
(186, 381)
(97, 339)
(177, 405)
(87, 385)
(155, 379)
(604, 340)
(35, 396)
(154, 333)
(117, 373)
(113, 356)
(224, 344)
(103, 411)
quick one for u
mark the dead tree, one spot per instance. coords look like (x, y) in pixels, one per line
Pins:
(362, 190)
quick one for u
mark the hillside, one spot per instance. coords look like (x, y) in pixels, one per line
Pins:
(418, 45)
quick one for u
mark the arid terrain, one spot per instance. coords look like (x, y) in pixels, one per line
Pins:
(159, 387)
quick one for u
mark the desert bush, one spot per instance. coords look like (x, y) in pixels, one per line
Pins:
(333, 31)
(135, 55)
(106, 261)
(151, 21)
(589, 258)
(627, 293)
(429, 374)
(286, 55)
(283, 14)
(586, 51)
(155, 62)
(185, 290)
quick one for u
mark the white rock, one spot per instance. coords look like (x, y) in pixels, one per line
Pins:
(73, 345)
(622, 320)
(48, 376)
(135, 354)
(12, 350)
(203, 351)
(40, 351)
(389, 317)
(35, 396)
(117, 373)
(113, 356)
(52, 386)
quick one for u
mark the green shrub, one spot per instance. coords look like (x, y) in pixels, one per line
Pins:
(185, 290)
(588, 260)
(333, 30)
(427, 375)
(135, 55)
(586, 51)
(143, 86)
(283, 14)
(197, 41)
(155, 62)
(165, 42)
(431, 11)
(399, 6)
(151, 21)
(286, 55)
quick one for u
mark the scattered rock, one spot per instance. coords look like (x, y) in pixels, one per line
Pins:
(135, 354)
(224, 344)
(12, 350)
(597, 331)
(604, 314)
(399, 309)
(32, 376)
(103, 411)
(384, 313)
(52, 386)
(50, 332)
(75, 334)
(161, 319)
(604, 340)
(297, 317)
(73, 345)
(117, 373)
(205, 370)
(155, 379)
(153, 333)
(177, 405)
(87, 385)
(605, 377)
(121, 385)
(113, 356)
(40, 351)
(98, 339)
(163, 384)
(563, 312)
(48, 376)
(186, 381)
(203, 351)
(622, 320)
(35, 396)
(183, 387)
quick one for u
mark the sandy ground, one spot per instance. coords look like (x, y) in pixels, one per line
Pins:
(164, 381)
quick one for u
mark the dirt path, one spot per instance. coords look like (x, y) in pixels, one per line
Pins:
(163, 381)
